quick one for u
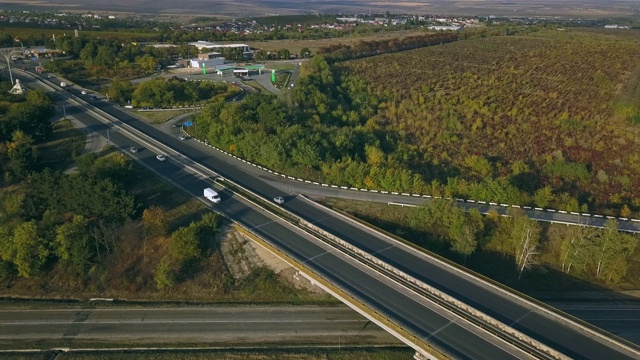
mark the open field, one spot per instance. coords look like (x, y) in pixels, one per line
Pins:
(269, 7)
(294, 46)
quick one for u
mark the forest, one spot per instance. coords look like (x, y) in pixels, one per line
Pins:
(545, 119)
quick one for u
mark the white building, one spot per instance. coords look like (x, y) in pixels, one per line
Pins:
(209, 63)
(206, 45)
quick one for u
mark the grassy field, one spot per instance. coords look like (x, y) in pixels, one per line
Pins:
(262, 354)
(294, 46)
(66, 143)
(159, 117)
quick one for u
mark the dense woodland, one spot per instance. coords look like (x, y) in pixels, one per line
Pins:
(547, 119)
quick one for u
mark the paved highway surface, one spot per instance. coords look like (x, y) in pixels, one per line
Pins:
(411, 311)
(196, 324)
(378, 293)
(620, 319)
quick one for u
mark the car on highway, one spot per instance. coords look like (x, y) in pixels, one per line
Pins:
(182, 137)
(133, 149)
(161, 157)
(176, 125)
(83, 92)
(278, 200)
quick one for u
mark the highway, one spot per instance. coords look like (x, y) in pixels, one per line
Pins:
(412, 312)
(402, 308)
(224, 324)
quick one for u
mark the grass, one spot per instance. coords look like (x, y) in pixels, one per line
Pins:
(25, 356)
(66, 143)
(254, 84)
(282, 79)
(160, 116)
(294, 46)
(282, 67)
(348, 353)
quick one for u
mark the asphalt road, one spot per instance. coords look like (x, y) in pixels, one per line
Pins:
(254, 324)
(411, 311)
(402, 308)
(620, 319)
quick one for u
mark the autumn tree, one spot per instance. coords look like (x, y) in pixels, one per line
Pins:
(155, 221)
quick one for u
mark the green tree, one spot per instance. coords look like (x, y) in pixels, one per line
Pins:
(305, 52)
(73, 244)
(610, 252)
(574, 249)
(23, 157)
(543, 196)
(165, 275)
(261, 55)
(186, 244)
(27, 249)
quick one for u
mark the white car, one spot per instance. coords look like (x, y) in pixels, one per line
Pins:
(133, 149)
(182, 137)
(161, 157)
(83, 92)
(278, 200)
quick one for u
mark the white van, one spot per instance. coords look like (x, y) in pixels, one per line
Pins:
(211, 195)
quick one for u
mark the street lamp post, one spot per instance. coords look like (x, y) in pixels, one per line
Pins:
(21, 46)
(7, 55)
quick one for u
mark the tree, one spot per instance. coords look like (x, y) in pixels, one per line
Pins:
(154, 221)
(284, 54)
(305, 52)
(611, 249)
(574, 249)
(543, 196)
(261, 55)
(525, 236)
(73, 244)
(165, 275)
(27, 249)
(23, 157)
(186, 244)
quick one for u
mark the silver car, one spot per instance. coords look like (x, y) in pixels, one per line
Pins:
(278, 200)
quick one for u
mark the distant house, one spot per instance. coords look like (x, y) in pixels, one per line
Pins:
(444, 28)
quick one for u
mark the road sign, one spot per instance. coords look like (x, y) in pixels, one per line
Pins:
(188, 123)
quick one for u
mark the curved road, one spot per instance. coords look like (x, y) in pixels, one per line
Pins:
(415, 316)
